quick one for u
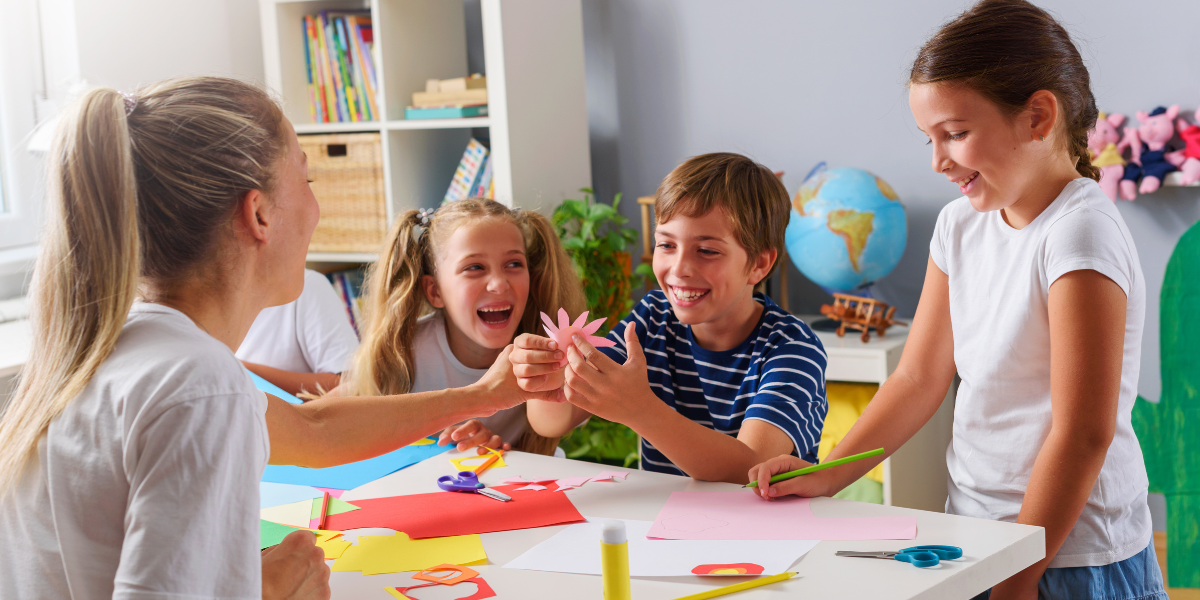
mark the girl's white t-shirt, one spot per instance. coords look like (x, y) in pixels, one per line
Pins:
(1000, 281)
(146, 486)
(311, 334)
(438, 369)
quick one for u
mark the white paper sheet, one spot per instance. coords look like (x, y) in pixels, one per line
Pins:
(576, 549)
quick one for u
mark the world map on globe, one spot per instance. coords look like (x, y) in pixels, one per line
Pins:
(848, 228)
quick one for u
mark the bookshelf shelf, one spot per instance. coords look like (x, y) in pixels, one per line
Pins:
(533, 58)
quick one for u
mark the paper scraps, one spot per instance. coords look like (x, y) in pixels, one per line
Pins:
(519, 480)
(742, 515)
(534, 487)
(271, 534)
(275, 494)
(571, 483)
(574, 550)
(374, 555)
(482, 590)
(567, 483)
(460, 464)
(441, 514)
(566, 330)
(454, 574)
(610, 475)
(302, 514)
(352, 475)
(733, 569)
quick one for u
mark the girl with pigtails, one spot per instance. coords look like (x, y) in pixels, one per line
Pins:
(134, 444)
(451, 290)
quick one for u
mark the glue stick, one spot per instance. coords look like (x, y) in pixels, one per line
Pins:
(614, 560)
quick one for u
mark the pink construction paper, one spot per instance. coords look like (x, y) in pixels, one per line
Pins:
(533, 487)
(570, 482)
(742, 515)
(565, 330)
(332, 492)
(609, 476)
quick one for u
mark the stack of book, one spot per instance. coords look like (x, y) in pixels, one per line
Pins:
(473, 177)
(341, 69)
(450, 99)
(349, 284)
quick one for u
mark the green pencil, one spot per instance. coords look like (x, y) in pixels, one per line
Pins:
(814, 468)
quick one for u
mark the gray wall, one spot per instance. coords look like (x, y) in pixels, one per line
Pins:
(794, 83)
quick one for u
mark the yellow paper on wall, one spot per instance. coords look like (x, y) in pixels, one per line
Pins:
(376, 555)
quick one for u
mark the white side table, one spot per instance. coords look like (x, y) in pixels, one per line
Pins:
(915, 476)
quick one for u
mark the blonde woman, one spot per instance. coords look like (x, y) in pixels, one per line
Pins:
(135, 442)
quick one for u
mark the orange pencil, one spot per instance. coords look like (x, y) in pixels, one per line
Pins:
(324, 511)
(487, 463)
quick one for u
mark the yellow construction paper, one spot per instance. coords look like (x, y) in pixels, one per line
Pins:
(333, 548)
(295, 514)
(422, 442)
(395, 594)
(375, 555)
(459, 463)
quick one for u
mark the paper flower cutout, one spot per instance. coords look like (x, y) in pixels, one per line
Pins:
(729, 569)
(566, 330)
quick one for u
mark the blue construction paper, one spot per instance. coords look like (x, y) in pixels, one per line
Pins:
(266, 386)
(277, 494)
(352, 475)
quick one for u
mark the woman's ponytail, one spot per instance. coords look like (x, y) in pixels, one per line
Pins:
(87, 271)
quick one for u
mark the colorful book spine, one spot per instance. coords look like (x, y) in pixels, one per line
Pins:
(331, 92)
(340, 70)
(363, 73)
(308, 72)
(467, 173)
(481, 189)
(346, 68)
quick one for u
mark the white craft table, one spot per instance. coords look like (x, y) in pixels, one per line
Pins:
(993, 551)
(915, 476)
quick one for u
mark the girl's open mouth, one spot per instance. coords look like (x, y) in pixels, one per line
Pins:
(495, 315)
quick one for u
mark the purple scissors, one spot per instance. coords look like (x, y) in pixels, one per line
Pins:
(468, 481)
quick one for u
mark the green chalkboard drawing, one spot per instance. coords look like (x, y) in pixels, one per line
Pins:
(1169, 431)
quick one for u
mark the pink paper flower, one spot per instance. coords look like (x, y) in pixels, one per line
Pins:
(566, 329)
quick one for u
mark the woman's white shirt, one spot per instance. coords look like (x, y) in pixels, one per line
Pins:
(311, 334)
(1000, 281)
(146, 486)
(438, 369)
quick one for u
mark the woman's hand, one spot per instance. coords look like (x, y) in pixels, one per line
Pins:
(504, 390)
(807, 486)
(295, 569)
(472, 434)
(536, 363)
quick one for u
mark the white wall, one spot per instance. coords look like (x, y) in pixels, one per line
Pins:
(794, 83)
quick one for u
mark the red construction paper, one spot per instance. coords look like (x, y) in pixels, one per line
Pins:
(482, 591)
(442, 514)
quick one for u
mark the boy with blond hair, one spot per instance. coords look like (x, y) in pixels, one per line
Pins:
(713, 375)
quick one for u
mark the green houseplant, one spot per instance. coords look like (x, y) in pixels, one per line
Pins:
(594, 236)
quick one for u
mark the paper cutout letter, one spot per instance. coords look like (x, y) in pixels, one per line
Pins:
(566, 329)
(462, 574)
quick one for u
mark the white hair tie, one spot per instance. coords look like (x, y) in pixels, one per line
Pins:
(130, 102)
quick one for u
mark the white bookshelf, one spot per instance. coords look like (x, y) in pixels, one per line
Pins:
(537, 112)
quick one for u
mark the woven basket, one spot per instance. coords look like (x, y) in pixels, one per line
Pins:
(347, 174)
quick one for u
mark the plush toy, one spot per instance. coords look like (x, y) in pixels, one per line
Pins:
(1191, 163)
(1151, 160)
(1105, 145)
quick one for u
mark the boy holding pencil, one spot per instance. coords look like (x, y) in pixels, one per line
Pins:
(712, 375)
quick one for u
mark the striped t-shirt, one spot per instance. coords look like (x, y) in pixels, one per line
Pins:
(776, 375)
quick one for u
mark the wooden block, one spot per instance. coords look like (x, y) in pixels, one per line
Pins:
(439, 99)
(432, 86)
(462, 84)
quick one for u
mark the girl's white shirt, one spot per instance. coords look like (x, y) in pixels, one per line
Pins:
(146, 486)
(1000, 281)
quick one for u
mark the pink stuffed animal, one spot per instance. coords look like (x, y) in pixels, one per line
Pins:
(1191, 164)
(1151, 160)
(1106, 152)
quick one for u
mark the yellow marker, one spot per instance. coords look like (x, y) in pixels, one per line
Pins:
(737, 587)
(614, 560)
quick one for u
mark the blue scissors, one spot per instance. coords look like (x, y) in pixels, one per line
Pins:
(919, 556)
(468, 482)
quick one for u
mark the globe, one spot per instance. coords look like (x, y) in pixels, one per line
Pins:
(848, 228)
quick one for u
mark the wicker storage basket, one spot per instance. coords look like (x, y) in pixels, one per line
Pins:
(347, 174)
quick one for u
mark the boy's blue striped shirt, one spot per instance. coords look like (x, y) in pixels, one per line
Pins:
(776, 375)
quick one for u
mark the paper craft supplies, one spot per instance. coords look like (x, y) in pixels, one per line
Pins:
(440, 514)
(271, 534)
(352, 475)
(302, 514)
(397, 553)
(574, 550)
(482, 591)
(533, 487)
(479, 463)
(276, 494)
(566, 330)
(567, 483)
(570, 483)
(742, 515)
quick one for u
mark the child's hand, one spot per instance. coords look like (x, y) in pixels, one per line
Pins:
(471, 434)
(295, 569)
(535, 361)
(597, 384)
(807, 486)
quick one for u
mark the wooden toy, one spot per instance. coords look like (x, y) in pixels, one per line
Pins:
(857, 312)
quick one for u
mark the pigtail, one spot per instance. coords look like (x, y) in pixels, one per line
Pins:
(394, 299)
(87, 271)
(553, 283)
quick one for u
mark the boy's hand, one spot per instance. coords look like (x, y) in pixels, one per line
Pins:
(535, 360)
(807, 486)
(597, 384)
(472, 434)
(506, 391)
(295, 569)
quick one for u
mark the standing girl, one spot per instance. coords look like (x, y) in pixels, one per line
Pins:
(449, 292)
(1034, 294)
(134, 445)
